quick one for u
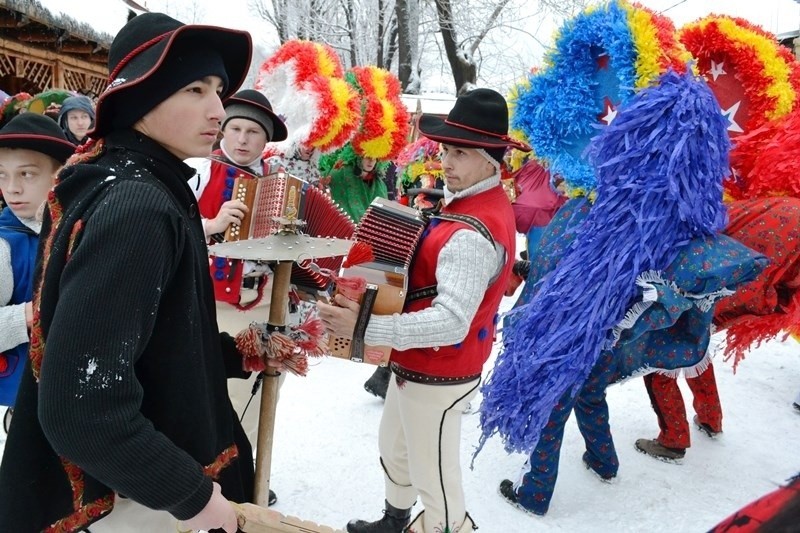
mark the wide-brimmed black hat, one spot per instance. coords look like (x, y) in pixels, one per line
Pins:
(479, 119)
(39, 133)
(253, 105)
(145, 59)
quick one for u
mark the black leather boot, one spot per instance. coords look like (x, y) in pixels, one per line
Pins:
(378, 382)
(394, 521)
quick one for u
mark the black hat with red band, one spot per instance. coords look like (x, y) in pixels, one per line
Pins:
(32, 131)
(153, 56)
(479, 119)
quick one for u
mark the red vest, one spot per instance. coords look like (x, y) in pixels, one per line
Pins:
(468, 356)
(220, 186)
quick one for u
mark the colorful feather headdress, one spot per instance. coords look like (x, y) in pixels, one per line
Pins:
(383, 131)
(347, 156)
(599, 60)
(41, 102)
(756, 82)
(11, 106)
(417, 159)
(304, 83)
(660, 166)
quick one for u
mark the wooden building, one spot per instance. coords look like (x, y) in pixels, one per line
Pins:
(41, 49)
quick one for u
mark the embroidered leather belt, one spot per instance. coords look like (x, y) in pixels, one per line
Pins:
(427, 379)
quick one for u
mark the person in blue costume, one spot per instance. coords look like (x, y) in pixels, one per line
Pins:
(32, 149)
(629, 269)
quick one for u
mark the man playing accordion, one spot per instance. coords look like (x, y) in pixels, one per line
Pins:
(248, 126)
(440, 343)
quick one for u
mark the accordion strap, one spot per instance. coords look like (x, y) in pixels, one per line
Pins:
(469, 220)
(364, 313)
(431, 291)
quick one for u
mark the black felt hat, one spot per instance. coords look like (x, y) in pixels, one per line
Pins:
(39, 133)
(253, 105)
(154, 55)
(479, 119)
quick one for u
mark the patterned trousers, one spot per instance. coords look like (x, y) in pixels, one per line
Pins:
(667, 401)
(538, 479)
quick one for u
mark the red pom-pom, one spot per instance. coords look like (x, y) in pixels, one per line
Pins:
(360, 252)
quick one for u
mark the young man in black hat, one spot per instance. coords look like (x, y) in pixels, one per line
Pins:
(125, 387)
(32, 149)
(442, 341)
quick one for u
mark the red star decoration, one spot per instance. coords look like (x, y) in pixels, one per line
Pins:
(609, 112)
(602, 62)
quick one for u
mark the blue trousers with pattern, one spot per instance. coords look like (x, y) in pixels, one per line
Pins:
(591, 412)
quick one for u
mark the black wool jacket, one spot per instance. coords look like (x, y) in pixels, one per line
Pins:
(125, 388)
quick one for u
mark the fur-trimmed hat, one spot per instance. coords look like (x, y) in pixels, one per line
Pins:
(154, 55)
(479, 119)
(32, 131)
(253, 105)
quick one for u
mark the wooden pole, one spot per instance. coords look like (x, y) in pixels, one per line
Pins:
(253, 519)
(279, 300)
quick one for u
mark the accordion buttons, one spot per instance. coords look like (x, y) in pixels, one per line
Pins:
(227, 289)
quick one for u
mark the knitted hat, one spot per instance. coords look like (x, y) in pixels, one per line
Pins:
(75, 103)
(32, 131)
(479, 119)
(154, 55)
(254, 106)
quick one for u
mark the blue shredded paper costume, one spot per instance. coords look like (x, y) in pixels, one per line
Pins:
(625, 286)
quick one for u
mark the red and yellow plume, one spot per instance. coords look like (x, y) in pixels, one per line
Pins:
(766, 75)
(385, 121)
(303, 81)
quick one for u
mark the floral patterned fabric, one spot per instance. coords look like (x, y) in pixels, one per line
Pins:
(770, 303)
(667, 327)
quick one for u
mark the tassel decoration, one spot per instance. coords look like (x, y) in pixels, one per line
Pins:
(361, 252)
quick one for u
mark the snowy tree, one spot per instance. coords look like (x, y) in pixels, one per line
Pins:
(464, 30)
(474, 38)
(363, 32)
(407, 12)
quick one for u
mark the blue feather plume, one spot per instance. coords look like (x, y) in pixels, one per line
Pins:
(558, 113)
(659, 166)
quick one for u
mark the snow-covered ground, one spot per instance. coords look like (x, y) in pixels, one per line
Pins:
(325, 464)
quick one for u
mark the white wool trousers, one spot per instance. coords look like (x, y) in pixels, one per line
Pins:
(131, 517)
(419, 442)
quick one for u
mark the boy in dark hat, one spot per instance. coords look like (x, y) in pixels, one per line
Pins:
(32, 149)
(76, 118)
(249, 125)
(124, 390)
(442, 341)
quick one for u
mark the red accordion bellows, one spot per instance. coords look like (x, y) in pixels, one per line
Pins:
(323, 218)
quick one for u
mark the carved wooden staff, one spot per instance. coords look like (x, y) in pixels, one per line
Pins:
(284, 248)
(269, 388)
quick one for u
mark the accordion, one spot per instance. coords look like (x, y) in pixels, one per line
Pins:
(393, 231)
(275, 201)
(268, 199)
